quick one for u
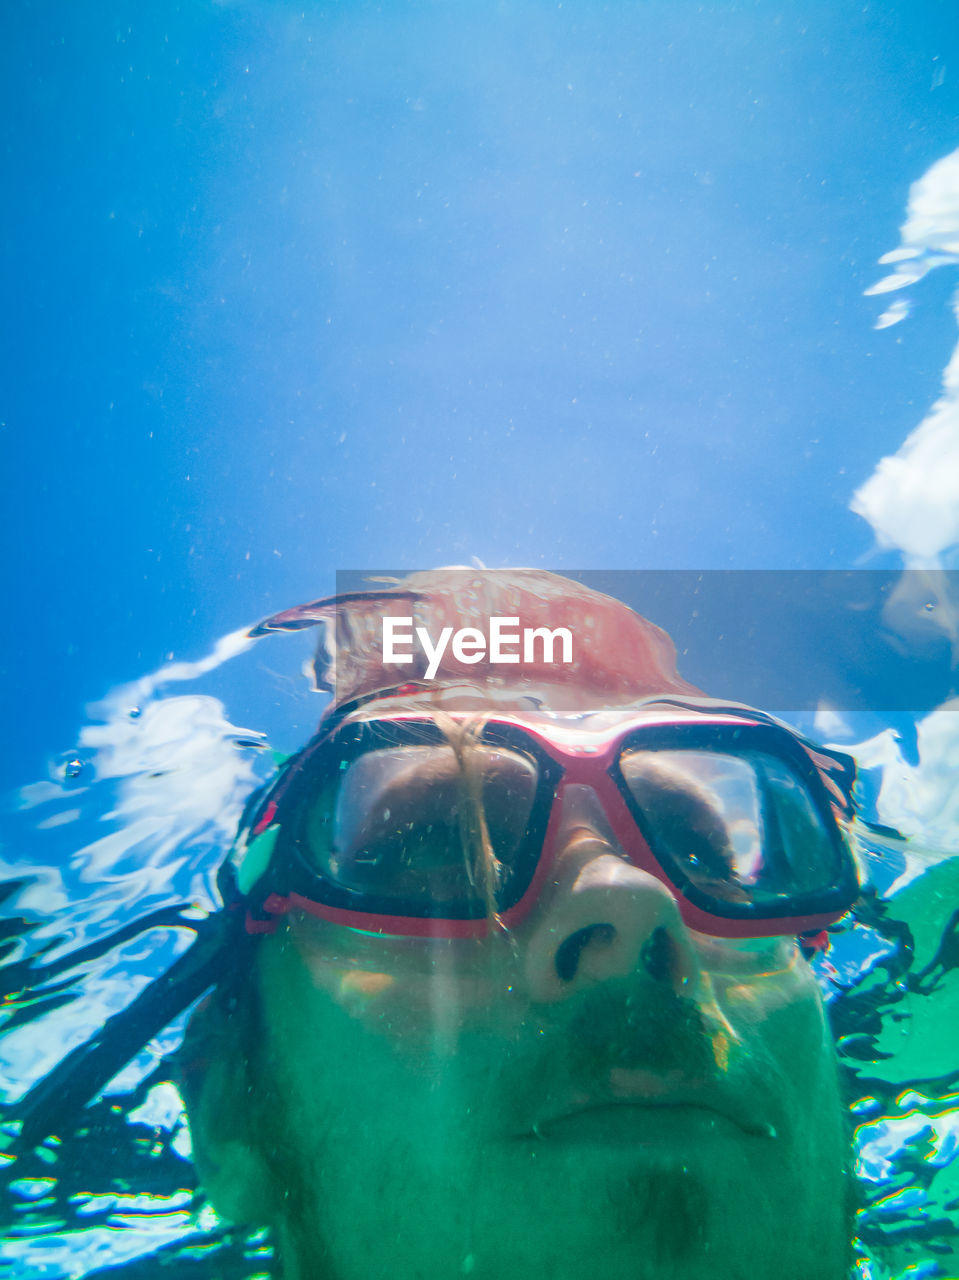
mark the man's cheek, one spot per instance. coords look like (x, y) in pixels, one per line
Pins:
(426, 1009)
(759, 998)
(782, 1016)
(787, 1025)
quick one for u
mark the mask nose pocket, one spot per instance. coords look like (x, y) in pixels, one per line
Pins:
(583, 811)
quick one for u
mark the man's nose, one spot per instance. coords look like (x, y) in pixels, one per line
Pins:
(601, 917)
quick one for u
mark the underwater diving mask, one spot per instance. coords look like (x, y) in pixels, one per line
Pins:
(407, 826)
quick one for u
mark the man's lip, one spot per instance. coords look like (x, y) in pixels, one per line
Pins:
(579, 1118)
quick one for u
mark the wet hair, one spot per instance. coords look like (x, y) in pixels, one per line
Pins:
(483, 867)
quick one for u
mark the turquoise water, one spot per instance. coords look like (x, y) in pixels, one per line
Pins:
(297, 290)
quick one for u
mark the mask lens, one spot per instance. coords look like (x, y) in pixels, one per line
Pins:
(741, 828)
(401, 824)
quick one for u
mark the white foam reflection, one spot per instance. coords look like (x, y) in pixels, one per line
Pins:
(919, 800)
(165, 780)
(912, 498)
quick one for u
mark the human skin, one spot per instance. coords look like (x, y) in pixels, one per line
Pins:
(598, 1088)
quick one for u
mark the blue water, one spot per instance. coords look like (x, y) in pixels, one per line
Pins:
(580, 285)
(298, 289)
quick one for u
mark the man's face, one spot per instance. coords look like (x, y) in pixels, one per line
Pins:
(598, 1088)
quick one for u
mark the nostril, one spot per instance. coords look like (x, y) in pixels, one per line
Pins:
(659, 956)
(570, 949)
